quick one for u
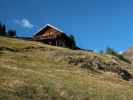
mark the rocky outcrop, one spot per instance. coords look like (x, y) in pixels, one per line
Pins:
(95, 62)
(96, 65)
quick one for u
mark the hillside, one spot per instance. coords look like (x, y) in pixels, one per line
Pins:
(129, 54)
(34, 71)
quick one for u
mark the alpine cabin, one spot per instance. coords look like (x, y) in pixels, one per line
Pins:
(53, 36)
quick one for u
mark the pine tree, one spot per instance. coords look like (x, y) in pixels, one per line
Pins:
(2, 30)
(12, 33)
(72, 38)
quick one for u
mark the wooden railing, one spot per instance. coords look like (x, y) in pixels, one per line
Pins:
(44, 37)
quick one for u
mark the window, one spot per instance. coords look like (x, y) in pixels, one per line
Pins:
(51, 33)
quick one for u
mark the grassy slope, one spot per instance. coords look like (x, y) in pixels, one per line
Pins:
(33, 74)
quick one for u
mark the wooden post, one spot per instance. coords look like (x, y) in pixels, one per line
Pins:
(50, 43)
(56, 42)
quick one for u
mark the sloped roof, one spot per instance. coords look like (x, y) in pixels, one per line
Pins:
(47, 25)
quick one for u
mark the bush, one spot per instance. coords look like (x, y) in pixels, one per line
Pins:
(110, 51)
(114, 53)
(121, 57)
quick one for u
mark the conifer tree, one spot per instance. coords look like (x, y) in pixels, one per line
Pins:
(3, 30)
(12, 33)
(72, 38)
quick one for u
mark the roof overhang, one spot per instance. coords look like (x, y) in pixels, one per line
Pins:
(47, 25)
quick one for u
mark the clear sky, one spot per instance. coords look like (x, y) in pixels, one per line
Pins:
(95, 24)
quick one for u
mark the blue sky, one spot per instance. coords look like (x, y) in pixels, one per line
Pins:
(96, 24)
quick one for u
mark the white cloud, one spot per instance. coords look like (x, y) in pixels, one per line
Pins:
(24, 23)
(120, 52)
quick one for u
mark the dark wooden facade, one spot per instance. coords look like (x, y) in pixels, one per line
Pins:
(53, 36)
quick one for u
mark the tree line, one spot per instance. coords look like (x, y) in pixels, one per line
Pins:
(5, 32)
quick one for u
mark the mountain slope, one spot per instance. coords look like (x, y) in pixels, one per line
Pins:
(129, 54)
(34, 71)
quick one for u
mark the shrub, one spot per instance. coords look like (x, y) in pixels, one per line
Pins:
(114, 53)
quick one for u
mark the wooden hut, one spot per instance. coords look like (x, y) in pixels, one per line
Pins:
(53, 36)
